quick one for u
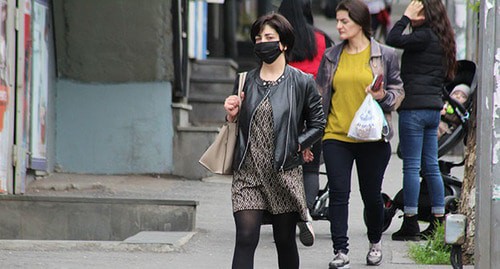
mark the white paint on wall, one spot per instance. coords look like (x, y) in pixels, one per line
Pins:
(472, 198)
(488, 6)
(459, 25)
(496, 148)
(495, 192)
(496, 89)
(496, 106)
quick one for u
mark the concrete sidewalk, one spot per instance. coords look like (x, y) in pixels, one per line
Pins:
(211, 245)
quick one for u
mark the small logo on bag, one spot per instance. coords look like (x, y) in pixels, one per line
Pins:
(365, 125)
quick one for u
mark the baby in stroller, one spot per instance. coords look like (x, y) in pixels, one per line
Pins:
(449, 119)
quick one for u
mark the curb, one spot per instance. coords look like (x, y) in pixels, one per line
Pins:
(142, 242)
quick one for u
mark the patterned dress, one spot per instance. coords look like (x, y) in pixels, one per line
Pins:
(257, 185)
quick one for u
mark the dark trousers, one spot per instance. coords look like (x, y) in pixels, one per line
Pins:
(311, 176)
(371, 161)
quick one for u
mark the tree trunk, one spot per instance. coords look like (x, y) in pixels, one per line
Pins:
(467, 205)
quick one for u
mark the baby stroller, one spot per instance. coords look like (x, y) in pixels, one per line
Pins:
(466, 74)
(320, 208)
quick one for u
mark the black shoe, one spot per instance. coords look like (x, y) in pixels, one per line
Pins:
(410, 231)
(435, 221)
(306, 233)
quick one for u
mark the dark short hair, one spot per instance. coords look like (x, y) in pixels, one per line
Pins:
(278, 23)
(359, 13)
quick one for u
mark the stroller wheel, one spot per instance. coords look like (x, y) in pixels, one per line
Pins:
(320, 210)
(389, 212)
(451, 204)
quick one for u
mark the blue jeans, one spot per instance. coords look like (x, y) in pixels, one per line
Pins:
(419, 148)
(371, 161)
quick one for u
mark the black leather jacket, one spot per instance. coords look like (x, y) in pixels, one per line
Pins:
(294, 100)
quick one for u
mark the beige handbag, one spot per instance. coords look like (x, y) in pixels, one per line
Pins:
(218, 158)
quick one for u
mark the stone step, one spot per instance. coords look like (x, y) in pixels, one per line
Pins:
(206, 113)
(207, 100)
(213, 68)
(84, 218)
(149, 241)
(210, 83)
(210, 92)
(192, 141)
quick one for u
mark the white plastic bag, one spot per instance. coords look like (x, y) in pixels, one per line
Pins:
(368, 122)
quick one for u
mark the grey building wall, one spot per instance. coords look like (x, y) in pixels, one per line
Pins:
(113, 91)
(114, 40)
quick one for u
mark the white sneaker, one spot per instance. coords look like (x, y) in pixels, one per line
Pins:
(374, 256)
(340, 261)
(306, 233)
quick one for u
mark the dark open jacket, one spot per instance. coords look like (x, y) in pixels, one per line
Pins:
(294, 101)
(422, 65)
(383, 60)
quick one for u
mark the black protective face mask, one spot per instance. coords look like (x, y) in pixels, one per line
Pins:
(268, 52)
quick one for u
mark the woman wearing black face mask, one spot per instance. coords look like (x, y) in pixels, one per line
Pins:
(272, 144)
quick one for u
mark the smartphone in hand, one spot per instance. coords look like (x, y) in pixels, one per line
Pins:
(377, 82)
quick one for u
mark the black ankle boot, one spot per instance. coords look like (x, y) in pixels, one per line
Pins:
(410, 231)
(434, 222)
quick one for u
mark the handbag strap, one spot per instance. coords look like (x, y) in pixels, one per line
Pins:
(241, 84)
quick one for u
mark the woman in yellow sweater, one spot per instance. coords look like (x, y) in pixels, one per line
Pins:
(344, 76)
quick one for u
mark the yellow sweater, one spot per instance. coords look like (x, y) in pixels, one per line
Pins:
(352, 76)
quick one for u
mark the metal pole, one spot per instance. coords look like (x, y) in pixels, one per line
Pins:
(230, 10)
(179, 25)
(488, 169)
(472, 35)
(22, 101)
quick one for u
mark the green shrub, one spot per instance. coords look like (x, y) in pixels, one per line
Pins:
(432, 251)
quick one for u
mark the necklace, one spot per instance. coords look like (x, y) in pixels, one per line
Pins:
(269, 83)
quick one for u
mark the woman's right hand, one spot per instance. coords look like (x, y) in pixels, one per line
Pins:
(307, 155)
(232, 106)
(413, 11)
(378, 94)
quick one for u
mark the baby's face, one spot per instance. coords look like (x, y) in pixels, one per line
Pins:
(459, 96)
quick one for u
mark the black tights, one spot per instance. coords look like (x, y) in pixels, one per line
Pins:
(247, 237)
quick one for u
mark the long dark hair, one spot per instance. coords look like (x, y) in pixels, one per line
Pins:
(359, 13)
(307, 11)
(437, 18)
(305, 41)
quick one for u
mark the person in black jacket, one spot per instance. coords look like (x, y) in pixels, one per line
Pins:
(272, 144)
(428, 61)
(308, 49)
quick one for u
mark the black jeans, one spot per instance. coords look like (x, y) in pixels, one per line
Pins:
(371, 161)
